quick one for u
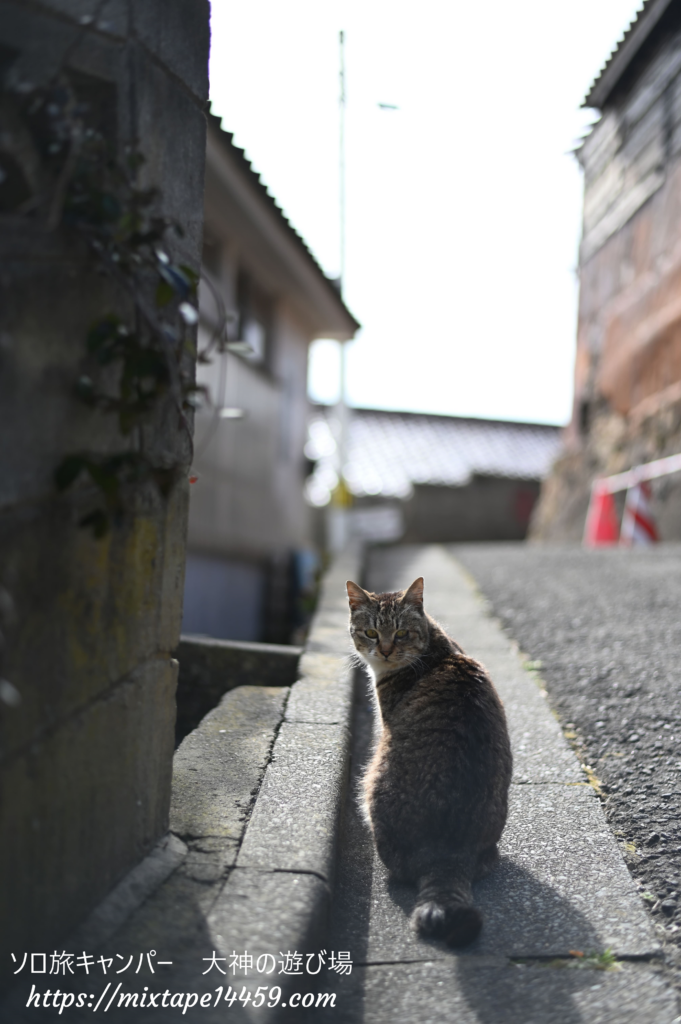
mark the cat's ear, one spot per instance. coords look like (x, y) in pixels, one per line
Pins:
(356, 596)
(414, 594)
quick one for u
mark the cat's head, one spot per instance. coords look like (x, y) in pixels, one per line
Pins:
(388, 630)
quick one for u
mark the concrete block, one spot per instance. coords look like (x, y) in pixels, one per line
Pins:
(210, 668)
(87, 753)
(113, 18)
(266, 912)
(540, 752)
(130, 893)
(277, 896)
(187, 922)
(175, 156)
(499, 992)
(96, 618)
(110, 18)
(558, 887)
(271, 914)
(177, 33)
(42, 42)
(209, 858)
(294, 826)
(329, 629)
(171, 570)
(218, 768)
(324, 693)
(564, 883)
(101, 782)
(173, 921)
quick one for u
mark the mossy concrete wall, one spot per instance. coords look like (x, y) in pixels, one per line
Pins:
(88, 626)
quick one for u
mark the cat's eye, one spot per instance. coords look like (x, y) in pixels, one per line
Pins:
(371, 633)
(400, 633)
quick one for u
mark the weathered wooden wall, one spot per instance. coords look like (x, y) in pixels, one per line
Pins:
(627, 406)
(629, 334)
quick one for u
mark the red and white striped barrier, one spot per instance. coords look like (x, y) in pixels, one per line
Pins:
(601, 528)
(638, 524)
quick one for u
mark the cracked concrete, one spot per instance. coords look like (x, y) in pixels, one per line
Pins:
(261, 804)
(561, 886)
(258, 789)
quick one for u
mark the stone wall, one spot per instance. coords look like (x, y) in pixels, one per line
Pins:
(614, 443)
(87, 709)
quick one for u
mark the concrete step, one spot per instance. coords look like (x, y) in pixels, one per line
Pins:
(248, 866)
(209, 668)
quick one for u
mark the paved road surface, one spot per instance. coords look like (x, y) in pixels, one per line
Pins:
(562, 884)
(606, 627)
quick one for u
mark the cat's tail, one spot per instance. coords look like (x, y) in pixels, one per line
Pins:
(444, 906)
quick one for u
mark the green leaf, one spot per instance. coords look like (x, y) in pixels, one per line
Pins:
(164, 293)
(98, 521)
(105, 476)
(103, 331)
(110, 207)
(85, 389)
(127, 420)
(67, 471)
(149, 363)
(164, 479)
(191, 275)
(134, 160)
(176, 278)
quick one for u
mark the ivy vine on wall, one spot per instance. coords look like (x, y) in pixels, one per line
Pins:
(58, 166)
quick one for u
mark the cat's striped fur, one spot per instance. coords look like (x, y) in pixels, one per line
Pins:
(437, 786)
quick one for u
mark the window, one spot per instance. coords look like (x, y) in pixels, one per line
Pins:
(255, 316)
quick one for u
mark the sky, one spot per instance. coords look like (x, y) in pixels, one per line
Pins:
(463, 206)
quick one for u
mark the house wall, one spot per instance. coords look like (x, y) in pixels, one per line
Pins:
(247, 510)
(87, 707)
(248, 507)
(488, 508)
(629, 331)
(627, 406)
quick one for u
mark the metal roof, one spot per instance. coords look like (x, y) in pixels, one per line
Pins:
(238, 156)
(390, 452)
(638, 32)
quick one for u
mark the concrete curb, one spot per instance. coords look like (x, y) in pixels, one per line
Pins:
(560, 902)
(557, 829)
(279, 894)
(248, 866)
(210, 668)
(129, 894)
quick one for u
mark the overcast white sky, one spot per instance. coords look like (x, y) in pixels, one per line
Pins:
(463, 206)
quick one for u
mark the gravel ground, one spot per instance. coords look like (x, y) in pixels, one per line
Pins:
(602, 630)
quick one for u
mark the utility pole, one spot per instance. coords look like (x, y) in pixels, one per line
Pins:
(341, 498)
(341, 151)
(342, 400)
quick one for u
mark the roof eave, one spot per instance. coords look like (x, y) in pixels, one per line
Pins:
(333, 318)
(617, 64)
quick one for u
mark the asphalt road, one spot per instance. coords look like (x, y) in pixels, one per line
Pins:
(604, 631)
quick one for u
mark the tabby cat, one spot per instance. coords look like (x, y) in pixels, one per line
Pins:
(436, 788)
